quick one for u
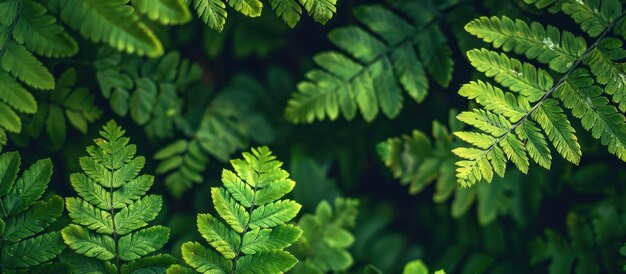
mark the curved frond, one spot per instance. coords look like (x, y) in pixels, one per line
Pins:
(380, 60)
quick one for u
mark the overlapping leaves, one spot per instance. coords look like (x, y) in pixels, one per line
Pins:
(110, 217)
(251, 231)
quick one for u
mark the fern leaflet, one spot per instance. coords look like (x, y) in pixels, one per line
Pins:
(252, 235)
(374, 71)
(514, 126)
(24, 216)
(110, 218)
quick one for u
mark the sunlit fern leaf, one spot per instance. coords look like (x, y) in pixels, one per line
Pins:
(253, 231)
(168, 12)
(227, 125)
(383, 58)
(113, 22)
(211, 12)
(25, 216)
(546, 44)
(604, 62)
(321, 10)
(517, 124)
(62, 105)
(288, 10)
(111, 215)
(326, 237)
(149, 90)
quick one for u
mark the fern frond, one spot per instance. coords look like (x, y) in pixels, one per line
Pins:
(24, 215)
(149, 90)
(65, 104)
(111, 215)
(253, 233)
(374, 71)
(113, 22)
(419, 161)
(515, 126)
(211, 12)
(326, 237)
(168, 12)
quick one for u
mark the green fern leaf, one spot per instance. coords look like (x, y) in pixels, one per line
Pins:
(150, 91)
(521, 134)
(254, 235)
(593, 16)
(326, 237)
(21, 63)
(288, 10)
(250, 8)
(389, 54)
(547, 45)
(39, 32)
(112, 209)
(24, 215)
(113, 22)
(321, 10)
(418, 267)
(211, 12)
(167, 12)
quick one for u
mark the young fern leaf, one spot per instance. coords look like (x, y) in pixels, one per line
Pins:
(384, 57)
(24, 216)
(111, 215)
(214, 14)
(253, 232)
(326, 238)
(150, 90)
(412, 267)
(62, 105)
(113, 22)
(514, 125)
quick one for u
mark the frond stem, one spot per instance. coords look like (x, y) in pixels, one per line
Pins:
(117, 254)
(245, 229)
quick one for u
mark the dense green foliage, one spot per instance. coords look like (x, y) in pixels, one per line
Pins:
(450, 93)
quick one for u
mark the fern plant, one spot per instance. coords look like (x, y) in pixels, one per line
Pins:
(254, 231)
(514, 125)
(56, 108)
(150, 91)
(412, 267)
(326, 238)
(417, 161)
(110, 231)
(26, 30)
(213, 12)
(226, 126)
(24, 216)
(385, 56)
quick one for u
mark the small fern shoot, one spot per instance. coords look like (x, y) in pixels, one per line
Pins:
(326, 238)
(385, 56)
(110, 217)
(24, 216)
(253, 231)
(518, 125)
(412, 267)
